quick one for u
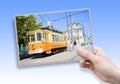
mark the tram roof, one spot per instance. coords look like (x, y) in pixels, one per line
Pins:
(48, 28)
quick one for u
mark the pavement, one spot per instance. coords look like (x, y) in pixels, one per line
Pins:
(60, 57)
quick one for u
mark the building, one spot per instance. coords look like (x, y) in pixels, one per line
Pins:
(75, 34)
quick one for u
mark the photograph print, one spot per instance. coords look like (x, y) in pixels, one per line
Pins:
(52, 37)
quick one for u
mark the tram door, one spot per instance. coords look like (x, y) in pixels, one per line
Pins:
(46, 41)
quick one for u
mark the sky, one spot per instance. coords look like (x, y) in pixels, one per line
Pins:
(105, 29)
(58, 19)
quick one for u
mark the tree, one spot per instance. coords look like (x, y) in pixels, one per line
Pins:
(25, 24)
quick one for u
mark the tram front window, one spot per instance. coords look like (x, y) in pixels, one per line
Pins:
(39, 36)
(32, 36)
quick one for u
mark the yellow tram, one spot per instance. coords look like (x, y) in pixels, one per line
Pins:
(46, 40)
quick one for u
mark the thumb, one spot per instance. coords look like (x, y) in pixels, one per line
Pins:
(86, 54)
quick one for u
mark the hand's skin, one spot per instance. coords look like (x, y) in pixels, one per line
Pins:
(100, 64)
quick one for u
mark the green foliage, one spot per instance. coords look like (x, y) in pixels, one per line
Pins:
(25, 24)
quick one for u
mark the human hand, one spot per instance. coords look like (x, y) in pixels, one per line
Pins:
(100, 64)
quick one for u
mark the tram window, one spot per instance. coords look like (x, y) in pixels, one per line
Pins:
(61, 39)
(57, 37)
(64, 38)
(32, 37)
(39, 36)
(44, 36)
(28, 38)
(53, 37)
